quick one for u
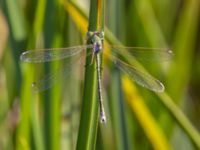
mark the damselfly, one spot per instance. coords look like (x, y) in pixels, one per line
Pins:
(96, 44)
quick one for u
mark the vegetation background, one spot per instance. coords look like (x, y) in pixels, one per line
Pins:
(137, 118)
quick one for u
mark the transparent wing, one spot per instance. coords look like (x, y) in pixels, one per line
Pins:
(46, 55)
(141, 77)
(144, 53)
(59, 76)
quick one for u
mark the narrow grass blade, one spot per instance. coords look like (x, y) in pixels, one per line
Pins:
(150, 126)
(90, 107)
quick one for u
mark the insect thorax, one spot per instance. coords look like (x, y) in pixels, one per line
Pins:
(96, 39)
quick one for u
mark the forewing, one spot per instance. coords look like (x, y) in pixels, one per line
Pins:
(144, 53)
(46, 55)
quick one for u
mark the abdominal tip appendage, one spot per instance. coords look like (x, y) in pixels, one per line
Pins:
(103, 119)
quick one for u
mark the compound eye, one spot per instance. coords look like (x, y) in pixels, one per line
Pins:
(102, 34)
(89, 34)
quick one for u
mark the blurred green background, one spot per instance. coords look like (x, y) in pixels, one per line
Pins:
(143, 120)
